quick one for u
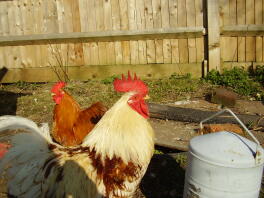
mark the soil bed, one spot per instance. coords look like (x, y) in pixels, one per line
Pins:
(165, 175)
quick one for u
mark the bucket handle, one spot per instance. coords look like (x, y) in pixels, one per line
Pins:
(258, 153)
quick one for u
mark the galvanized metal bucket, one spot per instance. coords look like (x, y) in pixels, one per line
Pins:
(224, 165)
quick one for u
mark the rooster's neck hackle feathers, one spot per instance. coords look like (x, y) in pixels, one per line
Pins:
(122, 132)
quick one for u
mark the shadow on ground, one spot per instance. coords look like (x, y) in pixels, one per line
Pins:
(8, 102)
(164, 178)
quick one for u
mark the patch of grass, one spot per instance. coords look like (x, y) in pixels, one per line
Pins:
(158, 152)
(175, 87)
(22, 85)
(239, 80)
(34, 101)
(110, 79)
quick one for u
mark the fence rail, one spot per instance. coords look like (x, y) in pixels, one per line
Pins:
(163, 36)
(103, 36)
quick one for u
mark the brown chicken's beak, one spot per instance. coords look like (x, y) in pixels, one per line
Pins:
(53, 94)
(146, 97)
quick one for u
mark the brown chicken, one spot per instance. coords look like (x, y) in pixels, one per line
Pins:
(70, 123)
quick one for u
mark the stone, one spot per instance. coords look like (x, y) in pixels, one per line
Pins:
(224, 97)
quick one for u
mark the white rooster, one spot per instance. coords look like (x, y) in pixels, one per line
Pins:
(110, 162)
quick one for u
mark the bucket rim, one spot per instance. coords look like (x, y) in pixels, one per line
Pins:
(243, 166)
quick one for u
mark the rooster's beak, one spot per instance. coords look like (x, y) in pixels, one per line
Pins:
(53, 94)
(146, 97)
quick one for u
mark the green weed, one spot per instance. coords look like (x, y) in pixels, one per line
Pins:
(258, 74)
(170, 89)
(110, 79)
(239, 80)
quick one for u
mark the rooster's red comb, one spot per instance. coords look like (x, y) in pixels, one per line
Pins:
(57, 87)
(129, 84)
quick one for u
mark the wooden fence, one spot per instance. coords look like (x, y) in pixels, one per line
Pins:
(99, 38)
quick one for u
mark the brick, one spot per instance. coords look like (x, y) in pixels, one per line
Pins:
(213, 128)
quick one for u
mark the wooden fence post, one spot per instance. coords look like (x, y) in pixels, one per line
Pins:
(213, 21)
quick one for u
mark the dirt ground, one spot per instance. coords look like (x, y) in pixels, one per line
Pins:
(165, 175)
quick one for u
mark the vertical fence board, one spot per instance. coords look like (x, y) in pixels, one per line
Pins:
(132, 14)
(93, 46)
(83, 15)
(85, 25)
(159, 50)
(126, 52)
(259, 21)
(182, 22)
(263, 36)
(116, 26)
(91, 16)
(233, 21)
(165, 16)
(241, 20)
(14, 29)
(87, 53)
(151, 53)
(123, 7)
(199, 23)
(2, 32)
(190, 8)
(47, 25)
(50, 26)
(60, 13)
(2, 49)
(250, 41)
(102, 53)
(23, 48)
(173, 10)
(156, 5)
(37, 29)
(78, 47)
(110, 47)
(99, 12)
(53, 15)
(226, 50)
(141, 25)
(2, 12)
(213, 35)
(94, 53)
(175, 58)
(19, 30)
(29, 29)
(61, 51)
(10, 26)
(76, 22)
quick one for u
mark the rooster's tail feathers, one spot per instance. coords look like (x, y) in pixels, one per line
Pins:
(17, 122)
(28, 152)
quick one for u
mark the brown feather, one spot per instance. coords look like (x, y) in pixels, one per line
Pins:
(87, 119)
(71, 124)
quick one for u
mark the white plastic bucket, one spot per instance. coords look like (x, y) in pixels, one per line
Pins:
(223, 165)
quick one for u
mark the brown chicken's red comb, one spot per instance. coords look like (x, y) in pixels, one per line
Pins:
(129, 84)
(57, 87)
